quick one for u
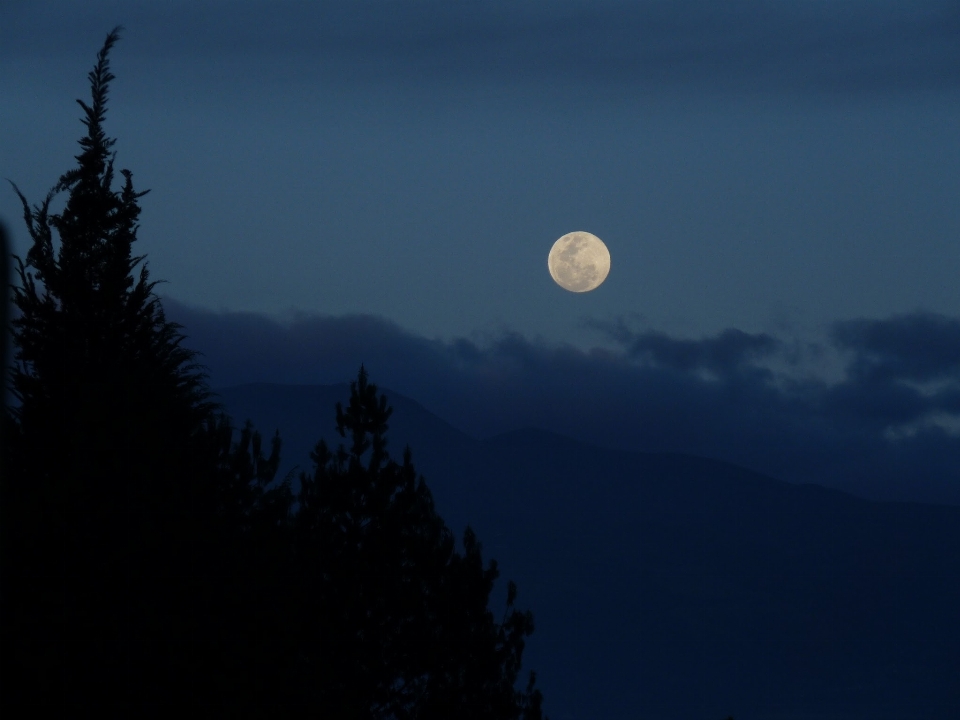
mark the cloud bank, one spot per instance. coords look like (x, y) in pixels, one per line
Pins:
(887, 428)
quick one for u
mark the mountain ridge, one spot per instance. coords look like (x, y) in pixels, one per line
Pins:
(697, 583)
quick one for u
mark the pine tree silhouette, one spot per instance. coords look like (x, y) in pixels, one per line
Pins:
(403, 617)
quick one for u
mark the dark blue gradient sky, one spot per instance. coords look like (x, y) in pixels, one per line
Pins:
(777, 183)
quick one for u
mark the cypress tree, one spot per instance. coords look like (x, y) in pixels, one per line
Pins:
(115, 435)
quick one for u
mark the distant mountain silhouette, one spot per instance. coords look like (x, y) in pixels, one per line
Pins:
(697, 588)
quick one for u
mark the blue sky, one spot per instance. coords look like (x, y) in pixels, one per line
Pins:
(776, 183)
(753, 165)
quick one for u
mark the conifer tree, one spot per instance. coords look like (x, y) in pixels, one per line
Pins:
(121, 475)
(402, 620)
(129, 513)
(4, 311)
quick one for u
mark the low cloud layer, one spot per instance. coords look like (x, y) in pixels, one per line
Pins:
(887, 429)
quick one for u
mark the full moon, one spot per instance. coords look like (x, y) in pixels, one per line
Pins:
(579, 262)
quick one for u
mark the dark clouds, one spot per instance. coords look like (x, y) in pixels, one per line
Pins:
(873, 433)
(730, 351)
(857, 45)
(918, 347)
(814, 44)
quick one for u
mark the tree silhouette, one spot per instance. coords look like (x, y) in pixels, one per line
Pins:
(116, 458)
(129, 513)
(403, 620)
(4, 312)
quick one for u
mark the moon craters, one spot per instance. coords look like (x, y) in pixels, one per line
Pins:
(579, 262)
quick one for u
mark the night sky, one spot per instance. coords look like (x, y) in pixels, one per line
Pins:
(343, 182)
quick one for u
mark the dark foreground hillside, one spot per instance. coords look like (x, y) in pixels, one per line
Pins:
(667, 586)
